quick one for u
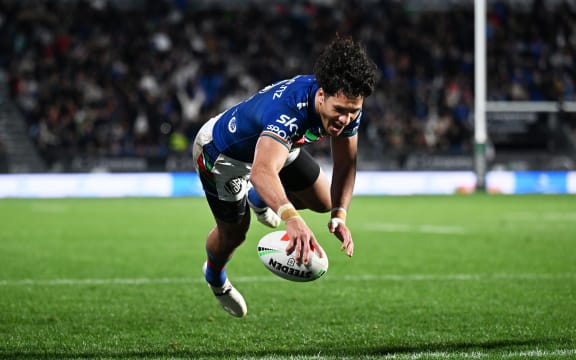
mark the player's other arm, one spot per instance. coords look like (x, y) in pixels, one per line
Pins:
(344, 156)
(269, 158)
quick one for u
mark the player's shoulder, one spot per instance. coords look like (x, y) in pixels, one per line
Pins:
(303, 83)
(300, 85)
(294, 93)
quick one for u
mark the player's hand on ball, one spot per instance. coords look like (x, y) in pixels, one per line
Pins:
(301, 241)
(338, 227)
(272, 253)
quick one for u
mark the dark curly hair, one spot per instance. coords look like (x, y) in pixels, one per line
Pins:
(344, 66)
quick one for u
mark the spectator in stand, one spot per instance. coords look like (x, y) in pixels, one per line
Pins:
(91, 82)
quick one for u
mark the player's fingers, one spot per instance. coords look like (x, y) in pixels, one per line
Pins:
(350, 249)
(290, 247)
(298, 250)
(317, 248)
(347, 243)
(305, 252)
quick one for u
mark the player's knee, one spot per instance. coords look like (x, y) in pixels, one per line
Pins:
(322, 203)
(306, 201)
(319, 206)
(323, 209)
(233, 233)
(232, 238)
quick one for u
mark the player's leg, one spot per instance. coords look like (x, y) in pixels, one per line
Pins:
(232, 223)
(306, 184)
(225, 183)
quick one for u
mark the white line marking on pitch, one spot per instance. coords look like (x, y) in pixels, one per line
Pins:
(542, 216)
(422, 229)
(269, 278)
(522, 354)
(526, 354)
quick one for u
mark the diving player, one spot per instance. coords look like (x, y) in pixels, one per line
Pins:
(252, 155)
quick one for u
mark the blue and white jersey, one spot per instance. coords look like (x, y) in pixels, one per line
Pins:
(284, 111)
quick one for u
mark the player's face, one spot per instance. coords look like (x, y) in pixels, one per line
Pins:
(337, 111)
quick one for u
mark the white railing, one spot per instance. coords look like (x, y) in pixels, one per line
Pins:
(530, 106)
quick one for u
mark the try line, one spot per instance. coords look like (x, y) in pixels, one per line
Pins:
(270, 278)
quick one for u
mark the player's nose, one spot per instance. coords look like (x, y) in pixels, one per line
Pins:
(345, 118)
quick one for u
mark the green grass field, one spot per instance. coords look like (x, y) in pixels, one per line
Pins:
(433, 277)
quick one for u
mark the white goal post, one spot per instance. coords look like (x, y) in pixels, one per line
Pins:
(480, 132)
(482, 106)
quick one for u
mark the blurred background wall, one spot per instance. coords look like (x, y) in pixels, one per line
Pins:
(123, 86)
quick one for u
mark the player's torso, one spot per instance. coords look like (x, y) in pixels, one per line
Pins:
(284, 111)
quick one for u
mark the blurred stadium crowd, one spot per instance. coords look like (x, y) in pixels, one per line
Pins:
(93, 79)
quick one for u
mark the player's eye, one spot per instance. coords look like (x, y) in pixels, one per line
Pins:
(346, 111)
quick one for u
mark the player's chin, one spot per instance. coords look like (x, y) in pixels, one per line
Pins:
(334, 131)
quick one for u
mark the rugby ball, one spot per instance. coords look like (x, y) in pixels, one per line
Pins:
(272, 253)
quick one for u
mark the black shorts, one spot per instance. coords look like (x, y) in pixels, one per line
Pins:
(298, 176)
(301, 173)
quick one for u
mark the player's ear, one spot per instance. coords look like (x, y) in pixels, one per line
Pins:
(321, 95)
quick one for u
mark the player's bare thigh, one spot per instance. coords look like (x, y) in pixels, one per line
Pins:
(315, 197)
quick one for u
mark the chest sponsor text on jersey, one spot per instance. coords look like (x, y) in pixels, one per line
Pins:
(277, 130)
(288, 122)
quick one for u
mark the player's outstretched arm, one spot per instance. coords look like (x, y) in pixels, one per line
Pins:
(344, 154)
(269, 158)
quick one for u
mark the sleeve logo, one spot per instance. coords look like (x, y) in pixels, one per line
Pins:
(232, 125)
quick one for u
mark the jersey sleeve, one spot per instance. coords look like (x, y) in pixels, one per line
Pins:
(283, 125)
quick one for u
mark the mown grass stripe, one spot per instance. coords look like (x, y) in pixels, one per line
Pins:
(390, 277)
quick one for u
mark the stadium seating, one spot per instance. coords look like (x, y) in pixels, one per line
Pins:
(138, 81)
